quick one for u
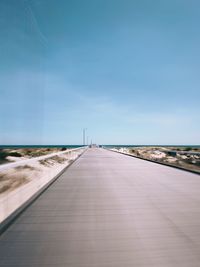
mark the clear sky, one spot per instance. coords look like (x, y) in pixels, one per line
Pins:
(128, 70)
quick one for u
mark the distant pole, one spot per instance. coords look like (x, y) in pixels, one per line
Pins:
(84, 129)
(87, 140)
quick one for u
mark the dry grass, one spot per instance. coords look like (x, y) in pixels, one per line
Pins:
(187, 161)
(25, 167)
(10, 181)
(13, 178)
(9, 155)
(52, 161)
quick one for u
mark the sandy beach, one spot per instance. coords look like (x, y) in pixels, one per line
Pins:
(184, 157)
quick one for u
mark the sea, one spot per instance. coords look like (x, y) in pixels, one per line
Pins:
(75, 146)
(39, 146)
(193, 146)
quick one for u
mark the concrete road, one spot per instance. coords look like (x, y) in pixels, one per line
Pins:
(110, 210)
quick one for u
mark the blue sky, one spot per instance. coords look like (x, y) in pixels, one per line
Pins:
(127, 70)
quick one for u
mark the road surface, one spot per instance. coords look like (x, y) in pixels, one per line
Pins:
(110, 210)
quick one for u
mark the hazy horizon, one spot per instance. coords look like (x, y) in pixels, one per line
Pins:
(79, 145)
(126, 70)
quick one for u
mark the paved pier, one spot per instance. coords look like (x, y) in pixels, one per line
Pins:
(110, 210)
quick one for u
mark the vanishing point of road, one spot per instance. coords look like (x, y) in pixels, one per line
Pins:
(109, 210)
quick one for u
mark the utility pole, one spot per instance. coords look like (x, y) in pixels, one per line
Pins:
(84, 130)
(87, 140)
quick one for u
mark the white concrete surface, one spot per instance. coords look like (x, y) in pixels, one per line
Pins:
(12, 200)
(110, 210)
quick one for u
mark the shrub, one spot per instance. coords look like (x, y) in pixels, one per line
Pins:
(3, 155)
(188, 148)
(15, 154)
